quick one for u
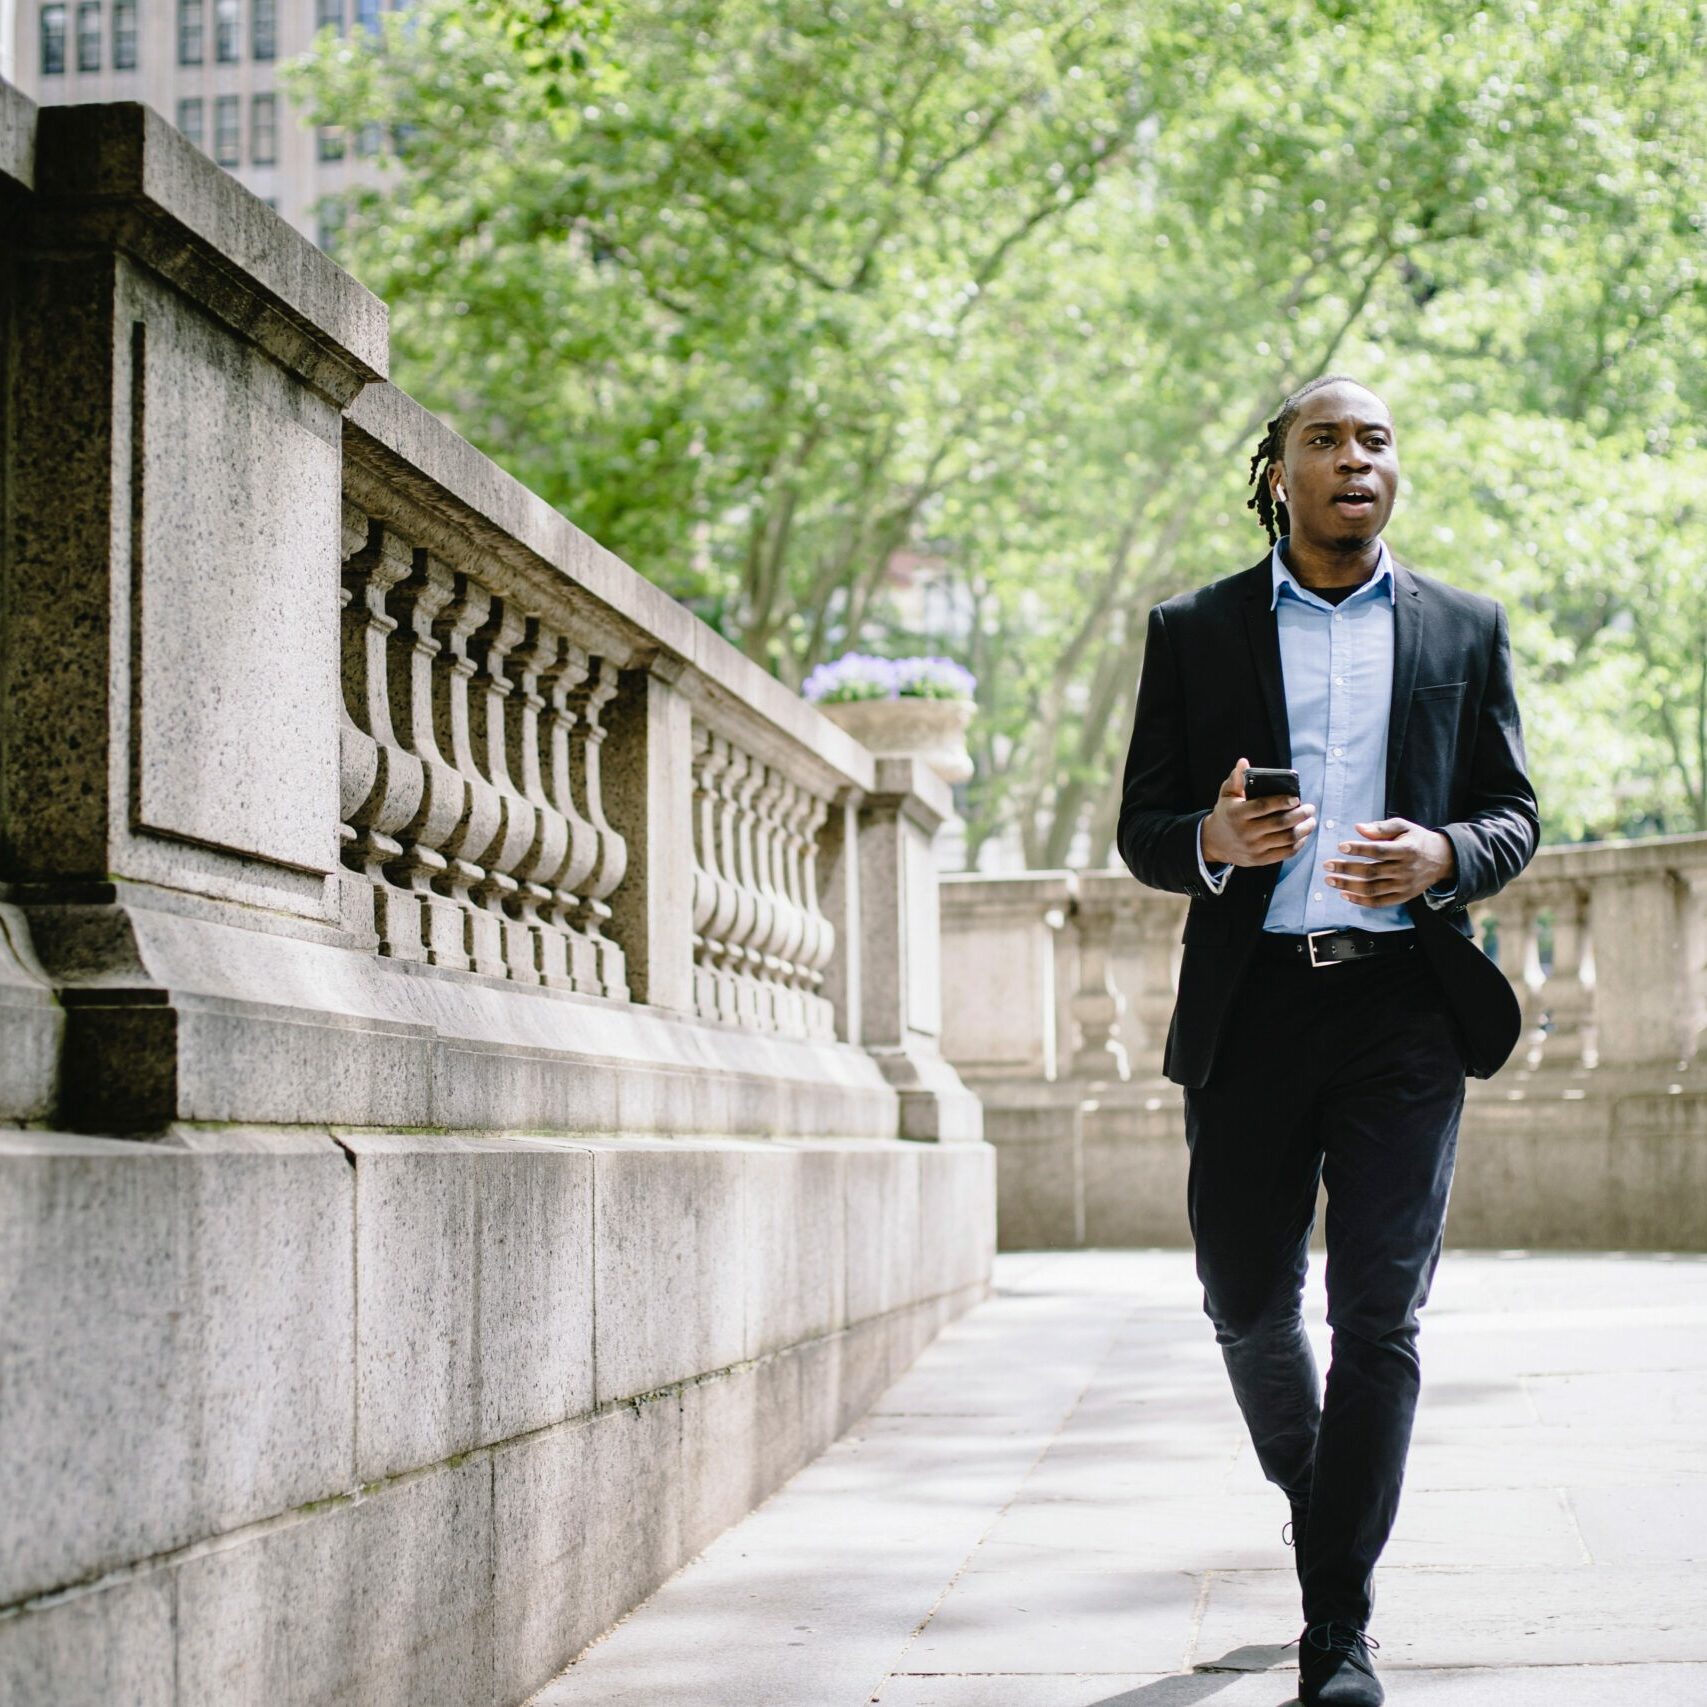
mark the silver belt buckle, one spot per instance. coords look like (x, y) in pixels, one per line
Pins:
(1310, 938)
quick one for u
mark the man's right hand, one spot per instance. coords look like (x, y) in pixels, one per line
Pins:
(1254, 832)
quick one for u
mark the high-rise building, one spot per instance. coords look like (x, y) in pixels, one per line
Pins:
(209, 66)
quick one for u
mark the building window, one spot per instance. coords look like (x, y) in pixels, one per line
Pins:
(330, 142)
(124, 35)
(190, 120)
(53, 41)
(227, 136)
(367, 16)
(368, 139)
(329, 14)
(89, 35)
(263, 130)
(190, 26)
(330, 223)
(264, 28)
(225, 36)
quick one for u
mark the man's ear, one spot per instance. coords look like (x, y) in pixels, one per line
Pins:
(1274, 481)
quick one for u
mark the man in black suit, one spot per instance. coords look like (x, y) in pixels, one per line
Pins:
(1332, 996)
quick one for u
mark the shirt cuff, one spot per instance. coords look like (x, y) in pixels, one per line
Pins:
(1216, 879)
(1436, 897)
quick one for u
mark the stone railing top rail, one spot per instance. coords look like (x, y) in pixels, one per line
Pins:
(1026, 890)
(1578, 862)
(1615, 859)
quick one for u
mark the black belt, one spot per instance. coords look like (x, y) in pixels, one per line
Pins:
(1332, 948)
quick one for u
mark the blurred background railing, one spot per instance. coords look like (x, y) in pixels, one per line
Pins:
(1593, 1135)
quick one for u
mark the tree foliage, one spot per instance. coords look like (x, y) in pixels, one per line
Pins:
(764, 291)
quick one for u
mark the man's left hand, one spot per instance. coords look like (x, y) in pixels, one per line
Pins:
(1395, 863)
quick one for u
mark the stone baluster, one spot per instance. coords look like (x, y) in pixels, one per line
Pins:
(1565, 995)
(713, 982)
(1150, 1004)
(566, 672)
(424, 863)
(705, 882)
(586, 738)
(775, 921)
(1694, 900)
(483, 810)
(533, 662)
(1097, 1004)
(752, 996)
(489, 713)
(358, 752)
(740, 779)
(372, 754)
(1517, 916)
(818, 938)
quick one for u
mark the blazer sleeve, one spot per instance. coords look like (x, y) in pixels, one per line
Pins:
(1157, 829)
(1498, 835)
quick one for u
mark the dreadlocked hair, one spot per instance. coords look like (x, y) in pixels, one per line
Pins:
(1270, 511)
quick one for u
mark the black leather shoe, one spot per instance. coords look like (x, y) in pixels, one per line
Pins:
(1334, 1668)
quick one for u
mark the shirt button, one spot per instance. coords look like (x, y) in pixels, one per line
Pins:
(1332, 822)
(1339, 752)
(1317, 896)
(1339, 681)
(1338, 615)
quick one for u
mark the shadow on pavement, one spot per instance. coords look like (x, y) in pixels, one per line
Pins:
(1203, 1684)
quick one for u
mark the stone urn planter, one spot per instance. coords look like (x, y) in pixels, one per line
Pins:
(930, 729)
(900, 707)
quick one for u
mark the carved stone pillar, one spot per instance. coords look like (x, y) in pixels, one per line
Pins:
(648, 787)
(1565, 995)
(425, 862)
(588, 700)
(1150, 1005)
(1097, 1003)
(371, 749)
(900, 955)
(1694, 887)
(533, 661)
(490, 711)
(566, 673)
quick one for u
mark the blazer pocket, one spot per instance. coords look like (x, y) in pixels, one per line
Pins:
(1440, 690)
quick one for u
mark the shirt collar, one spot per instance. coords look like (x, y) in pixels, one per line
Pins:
(1283, 578)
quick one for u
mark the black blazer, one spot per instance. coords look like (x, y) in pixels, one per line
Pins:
(1212, 691)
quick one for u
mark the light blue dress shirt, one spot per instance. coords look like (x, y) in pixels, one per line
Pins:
(1337, 665)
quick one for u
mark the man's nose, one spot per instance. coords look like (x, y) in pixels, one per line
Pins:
(1354, 459)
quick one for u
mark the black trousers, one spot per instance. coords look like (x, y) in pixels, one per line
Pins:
(1354, 1075)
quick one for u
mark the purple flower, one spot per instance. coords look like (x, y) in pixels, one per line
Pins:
(859, 675)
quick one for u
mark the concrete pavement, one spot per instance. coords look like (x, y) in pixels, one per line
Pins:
(1057, 1507)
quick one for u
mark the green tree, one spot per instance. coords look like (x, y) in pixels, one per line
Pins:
(762, 292)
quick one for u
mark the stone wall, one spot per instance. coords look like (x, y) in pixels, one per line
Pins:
(472, 1118)
(1594, 1135)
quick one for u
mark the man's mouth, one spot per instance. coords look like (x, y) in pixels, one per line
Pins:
(1355, 501)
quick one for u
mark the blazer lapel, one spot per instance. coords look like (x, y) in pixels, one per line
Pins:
(1407, 649)
(1264, 634)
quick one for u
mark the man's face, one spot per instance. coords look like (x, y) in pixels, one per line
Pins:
(1339, 471)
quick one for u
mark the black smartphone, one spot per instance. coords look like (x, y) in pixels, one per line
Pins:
(1263, 781)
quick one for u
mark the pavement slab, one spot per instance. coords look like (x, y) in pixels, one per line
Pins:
(1056, 1506)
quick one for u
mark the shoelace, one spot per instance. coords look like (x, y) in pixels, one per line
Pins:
(1336, 1638)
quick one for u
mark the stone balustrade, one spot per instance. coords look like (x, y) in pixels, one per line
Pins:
(1593, 1135)
(472, 1117)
